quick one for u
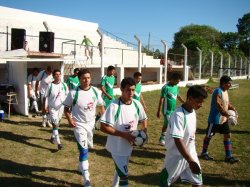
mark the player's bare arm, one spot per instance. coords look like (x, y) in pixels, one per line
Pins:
(182, 149)
(219, 105)
(143, 102)
(68, 116)
(159, 107)
(180, 99)
(105, 93)
(110, 130)
(36, 87)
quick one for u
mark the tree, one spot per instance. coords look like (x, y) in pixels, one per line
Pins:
(244, 32)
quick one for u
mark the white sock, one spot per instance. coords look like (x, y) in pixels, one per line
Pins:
(55, 135)
(116, 180)
(84, 167)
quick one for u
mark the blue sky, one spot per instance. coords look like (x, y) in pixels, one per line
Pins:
(162, 18)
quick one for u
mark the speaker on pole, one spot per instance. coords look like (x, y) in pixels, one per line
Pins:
(18, 37)
(46, 42)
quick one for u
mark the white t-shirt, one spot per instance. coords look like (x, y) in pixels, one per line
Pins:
(56, 94)
(84, 107)
(182, 125)
(45, 80)
(32, 81)
(123, 118)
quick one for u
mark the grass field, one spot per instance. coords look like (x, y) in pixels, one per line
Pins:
(27, 158)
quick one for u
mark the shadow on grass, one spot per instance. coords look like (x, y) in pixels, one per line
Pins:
(153, 179)
(22, 139)
(25, 173)
(146, 153)
(201, 131)
(239, 132)
(219, 180)
(30, 123)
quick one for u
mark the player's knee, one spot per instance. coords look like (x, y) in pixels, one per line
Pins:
(83, 154)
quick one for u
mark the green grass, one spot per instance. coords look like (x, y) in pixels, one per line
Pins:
(27, 158)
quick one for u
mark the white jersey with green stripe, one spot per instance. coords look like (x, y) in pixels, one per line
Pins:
(83, 104)
(56, 94)
(124, 118)
(182, 125)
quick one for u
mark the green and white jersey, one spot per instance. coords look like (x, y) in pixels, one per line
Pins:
(182, 124)
(83, 104)
(56, 94)
(124, 118)
(137, 91)
(45, 80)
(108, 83)
(72, 82)
(169, 93)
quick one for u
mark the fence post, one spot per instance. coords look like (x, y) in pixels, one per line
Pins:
(212, 63)
(221, 64)
(200, 60)
(185, 78)
(228, 72)
(165, 60)
(139, 52)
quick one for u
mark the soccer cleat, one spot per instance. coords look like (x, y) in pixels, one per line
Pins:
(162, 140)
(231, 160)
(59, 146)
(205, 156)
(87, 184)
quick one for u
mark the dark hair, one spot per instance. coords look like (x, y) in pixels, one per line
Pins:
(225, 79)
(49, 68)
(82, 72)
(76, 69)
(56, 70)
(127, 81)
(197, 91)
(35, 69)
(137, 74)
(110, 68)
(175, 76)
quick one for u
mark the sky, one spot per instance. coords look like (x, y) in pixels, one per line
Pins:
(126, 18)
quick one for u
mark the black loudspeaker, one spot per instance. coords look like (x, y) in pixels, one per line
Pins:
(18, 37)
(46, 42)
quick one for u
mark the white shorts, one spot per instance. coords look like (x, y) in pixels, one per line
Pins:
(55, 115)
(83, 137)
(177, 166)
(121, 165)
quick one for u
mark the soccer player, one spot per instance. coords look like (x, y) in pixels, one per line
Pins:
(119, 120)
(107, 86)
(31, 90)
(73, 81)
(218, 120)
(55, 93)
(82, 103)
(87, 42)
(167, 102)
(44, 78)
(138, 95)
(181, 159)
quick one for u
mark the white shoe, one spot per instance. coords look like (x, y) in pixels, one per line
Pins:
(44, 123)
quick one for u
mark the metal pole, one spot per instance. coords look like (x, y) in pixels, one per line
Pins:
(235, 65)
(185, 63)
(102, 52)
(139, 52)
(228, 72)
(7, 38)
(212, 63)
(221, 64)
(165, 60)
(240, 66)
(200, 60)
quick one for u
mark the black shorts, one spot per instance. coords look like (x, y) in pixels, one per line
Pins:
(221, 128)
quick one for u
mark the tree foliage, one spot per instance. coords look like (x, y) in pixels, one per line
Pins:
(244, 33)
